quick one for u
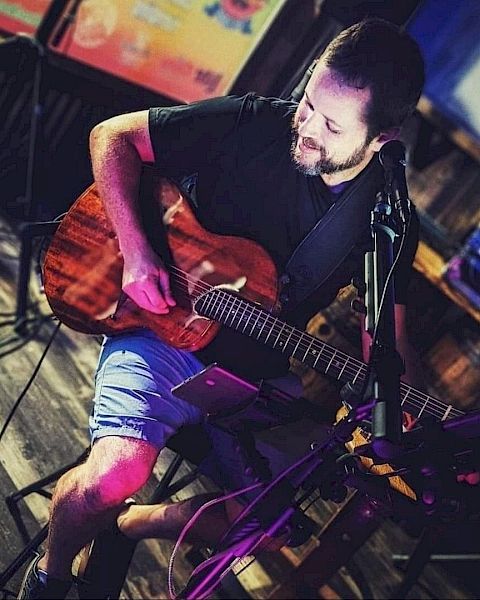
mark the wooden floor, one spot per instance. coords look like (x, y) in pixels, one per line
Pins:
(49, 430)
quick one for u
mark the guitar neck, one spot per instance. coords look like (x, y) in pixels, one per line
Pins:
(251, 320)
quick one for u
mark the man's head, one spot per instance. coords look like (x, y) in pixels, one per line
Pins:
(364, 85)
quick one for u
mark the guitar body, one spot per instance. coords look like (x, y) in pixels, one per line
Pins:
(83, 268)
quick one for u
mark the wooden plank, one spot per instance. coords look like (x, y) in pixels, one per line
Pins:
(431, 265)
(464, 140)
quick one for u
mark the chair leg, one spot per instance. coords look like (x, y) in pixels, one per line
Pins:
(161, 491)
(12, 500)
(37, 488)
(418, 559)
(24, 555)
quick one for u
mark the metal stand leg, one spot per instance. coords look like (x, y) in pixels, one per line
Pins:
(418, 559)
(12, 503)
(28, 231)
(23, 556)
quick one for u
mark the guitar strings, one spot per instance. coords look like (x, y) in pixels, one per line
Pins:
(436, 407)
(415, 398)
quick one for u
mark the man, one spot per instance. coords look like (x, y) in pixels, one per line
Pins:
(265, 169)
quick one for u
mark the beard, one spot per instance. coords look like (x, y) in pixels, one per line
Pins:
(325, 165)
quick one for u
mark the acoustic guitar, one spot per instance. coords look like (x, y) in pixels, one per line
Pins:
(216, 280)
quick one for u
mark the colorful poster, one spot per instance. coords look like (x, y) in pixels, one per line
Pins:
(22, 16)
(184, 49)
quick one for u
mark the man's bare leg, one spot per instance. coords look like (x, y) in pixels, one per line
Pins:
(166, 521)
(89, 497)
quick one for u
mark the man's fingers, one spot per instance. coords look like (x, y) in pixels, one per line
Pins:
(146, 295)
(152, 292)
(155, 298)
(165, 287)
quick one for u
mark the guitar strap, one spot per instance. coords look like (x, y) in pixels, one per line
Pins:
(332, 239)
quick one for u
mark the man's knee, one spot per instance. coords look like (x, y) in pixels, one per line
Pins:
(116, 469)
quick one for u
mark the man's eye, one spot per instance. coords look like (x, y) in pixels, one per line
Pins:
(332, 130)
(308, 104)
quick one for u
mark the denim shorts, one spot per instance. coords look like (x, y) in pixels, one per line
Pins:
(135, 374)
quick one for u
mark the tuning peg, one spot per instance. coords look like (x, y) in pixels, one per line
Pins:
(360, 284)
(358, 306)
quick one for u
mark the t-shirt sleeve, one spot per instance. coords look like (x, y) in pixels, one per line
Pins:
(188, 137)
(404, 267)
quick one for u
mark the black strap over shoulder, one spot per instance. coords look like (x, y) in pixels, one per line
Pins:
(332, 239)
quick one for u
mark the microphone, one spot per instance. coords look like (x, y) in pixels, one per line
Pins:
(392, 158)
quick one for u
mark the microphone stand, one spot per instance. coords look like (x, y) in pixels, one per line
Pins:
(272, 511)
(385, 365)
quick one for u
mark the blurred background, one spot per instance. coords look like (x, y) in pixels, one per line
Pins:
(66, 65)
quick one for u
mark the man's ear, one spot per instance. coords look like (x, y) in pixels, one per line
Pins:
(383, 138)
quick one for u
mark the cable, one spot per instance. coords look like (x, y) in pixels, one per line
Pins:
(206, 594)
(42, 249)
(245, 512)
(381, 306)
(389, 276)
(189, 525)
(30, 381)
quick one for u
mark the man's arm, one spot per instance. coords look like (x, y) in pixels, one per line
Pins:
(118, 148)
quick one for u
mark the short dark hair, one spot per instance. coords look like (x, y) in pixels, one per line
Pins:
(377, 54)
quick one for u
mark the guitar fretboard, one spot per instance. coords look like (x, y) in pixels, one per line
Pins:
(255, 322)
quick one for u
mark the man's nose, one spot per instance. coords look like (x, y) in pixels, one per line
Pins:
(311, 127)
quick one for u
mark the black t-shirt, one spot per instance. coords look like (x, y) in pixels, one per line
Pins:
(237, 150)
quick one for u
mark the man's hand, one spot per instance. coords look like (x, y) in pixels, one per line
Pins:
(146, 281)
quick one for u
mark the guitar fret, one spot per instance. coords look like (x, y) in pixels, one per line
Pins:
(230, 308)
(225, 306)
(342, 369)
(288, 339)
(210, 298)
(217, 304)
(405, 397)
(356, 375)
(423, 408)
(446, 413)
(319, 355)
(261, 328)
(308, 348)
(270, 332)
(278, 336)
(255, 324)
(234, 315)
(330, 361)
(245, 310)
(248, 318)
